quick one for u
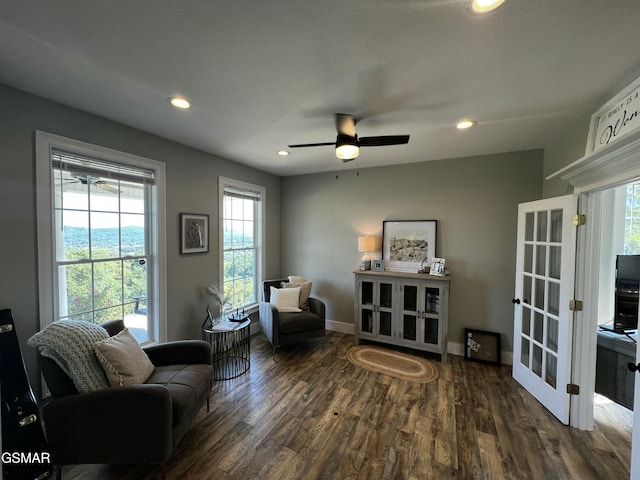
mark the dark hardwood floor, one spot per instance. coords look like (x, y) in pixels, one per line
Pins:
(311, 414)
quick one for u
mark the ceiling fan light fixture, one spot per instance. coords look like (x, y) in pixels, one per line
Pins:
(484, 6)
(283, 153)
(347, 147)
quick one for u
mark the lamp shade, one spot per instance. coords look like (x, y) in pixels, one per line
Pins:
(366, 244)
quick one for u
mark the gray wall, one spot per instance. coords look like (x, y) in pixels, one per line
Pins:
(565, 149)
(569, 145)
(474, 200)
(192, 186)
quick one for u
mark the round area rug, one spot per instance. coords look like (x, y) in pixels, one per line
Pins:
(392, 363)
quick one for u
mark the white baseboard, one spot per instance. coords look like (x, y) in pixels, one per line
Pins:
(339, 327)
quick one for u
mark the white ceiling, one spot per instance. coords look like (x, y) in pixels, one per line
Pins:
(265, 74)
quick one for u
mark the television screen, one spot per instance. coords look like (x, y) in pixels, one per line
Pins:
(626, 296)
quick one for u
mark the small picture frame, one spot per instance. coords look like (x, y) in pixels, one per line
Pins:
(437, 266)
(194, 233)
(377, 265)
(482, 346)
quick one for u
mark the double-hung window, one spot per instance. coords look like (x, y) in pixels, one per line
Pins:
(632, 219)
(241, 235)
(100, 236)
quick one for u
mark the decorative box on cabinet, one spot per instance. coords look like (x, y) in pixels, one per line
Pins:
(406, 309)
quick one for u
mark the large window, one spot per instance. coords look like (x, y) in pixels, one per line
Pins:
(99, 236)
(632, 220)
(242, 207)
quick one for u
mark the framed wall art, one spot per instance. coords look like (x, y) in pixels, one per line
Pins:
(194, 233)
(481, 346)
(408, 245)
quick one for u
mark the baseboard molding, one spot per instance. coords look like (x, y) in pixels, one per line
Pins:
(454, 348)
(340, 327)
(332, 325)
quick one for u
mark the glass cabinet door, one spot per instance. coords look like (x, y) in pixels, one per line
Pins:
(376, 308)
(385, 309)
(431, 298)
(410, 312)
(366, 306)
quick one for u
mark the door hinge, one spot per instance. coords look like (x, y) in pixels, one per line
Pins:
(579, 219)
(573, 389)
(575, 305)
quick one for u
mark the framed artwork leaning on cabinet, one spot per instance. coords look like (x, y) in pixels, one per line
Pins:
(408, 245)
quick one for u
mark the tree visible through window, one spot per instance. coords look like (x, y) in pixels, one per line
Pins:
(242, 242)
(99, 257)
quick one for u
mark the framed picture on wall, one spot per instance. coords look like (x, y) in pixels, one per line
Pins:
(408, 245)
(194, 233)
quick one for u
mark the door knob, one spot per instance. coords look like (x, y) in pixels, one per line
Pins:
(516, 301)
(633, 367)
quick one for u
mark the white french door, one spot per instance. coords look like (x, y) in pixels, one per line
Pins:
(543, 321)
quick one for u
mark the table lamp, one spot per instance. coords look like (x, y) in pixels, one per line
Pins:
(365, 245)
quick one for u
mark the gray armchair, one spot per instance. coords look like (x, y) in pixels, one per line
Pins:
(132, 424)
(284, 328)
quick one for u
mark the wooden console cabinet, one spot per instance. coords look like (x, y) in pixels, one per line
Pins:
(406, 309)
(613, 378)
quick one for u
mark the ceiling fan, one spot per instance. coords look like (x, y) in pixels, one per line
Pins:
(347, 142)
(89, 180)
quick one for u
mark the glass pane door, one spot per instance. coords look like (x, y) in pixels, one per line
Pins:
(544, 285)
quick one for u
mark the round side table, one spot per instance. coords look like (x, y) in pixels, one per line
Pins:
(230, 355)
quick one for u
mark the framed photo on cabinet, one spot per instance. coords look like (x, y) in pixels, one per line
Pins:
(377, 265)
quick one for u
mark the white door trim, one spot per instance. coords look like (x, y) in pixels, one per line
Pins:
(583, 365)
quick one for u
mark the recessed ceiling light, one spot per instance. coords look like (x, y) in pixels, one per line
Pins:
(283, 153)
(463, 124)
(484, 6)
(180, 102)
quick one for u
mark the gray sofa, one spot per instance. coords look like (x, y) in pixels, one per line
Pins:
(130, 424)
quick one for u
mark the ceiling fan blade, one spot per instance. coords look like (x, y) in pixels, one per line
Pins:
(301, 145)
(383, 140)
(346, 124)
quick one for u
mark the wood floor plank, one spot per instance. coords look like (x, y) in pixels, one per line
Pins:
(421, 454)
(446, 449)
(491, 456)
(311, 414)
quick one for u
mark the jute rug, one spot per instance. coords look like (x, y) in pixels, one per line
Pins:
(392, 363)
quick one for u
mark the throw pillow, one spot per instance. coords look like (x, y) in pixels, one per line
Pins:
(286, 299)
(70, 344)
(124, 361)
(296, 279)
(305, 291)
